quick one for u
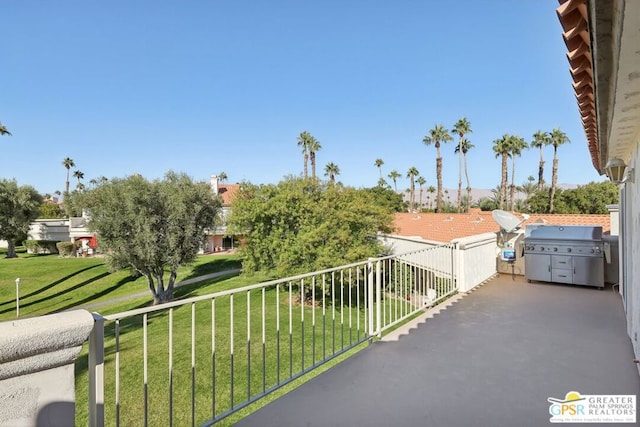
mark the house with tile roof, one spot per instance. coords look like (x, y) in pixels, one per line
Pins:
(217, 239)
(445, 227)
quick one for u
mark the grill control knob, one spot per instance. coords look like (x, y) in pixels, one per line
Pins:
(542, 248)
(592, 250)
(555, 249)
(568, 249)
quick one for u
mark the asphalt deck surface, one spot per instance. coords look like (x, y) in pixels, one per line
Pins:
(490, 359)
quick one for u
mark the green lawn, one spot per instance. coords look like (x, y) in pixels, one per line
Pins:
(49, 283)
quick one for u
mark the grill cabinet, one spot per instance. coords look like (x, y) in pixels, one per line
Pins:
(571, 254)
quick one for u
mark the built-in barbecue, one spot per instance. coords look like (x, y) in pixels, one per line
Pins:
(570, 254)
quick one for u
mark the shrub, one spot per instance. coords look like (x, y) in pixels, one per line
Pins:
(41, 246)
(66, 248)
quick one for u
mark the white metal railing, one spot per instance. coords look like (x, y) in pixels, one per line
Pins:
(225, 350)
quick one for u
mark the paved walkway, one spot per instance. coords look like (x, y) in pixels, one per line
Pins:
(490, 359)
(99, 304)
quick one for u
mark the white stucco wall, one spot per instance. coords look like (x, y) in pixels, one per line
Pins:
(37, 355)
(629, 250)
(402, 244)
(49, 229)
(477, 259)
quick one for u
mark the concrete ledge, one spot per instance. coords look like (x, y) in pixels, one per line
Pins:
(37, 358)
(23, 338)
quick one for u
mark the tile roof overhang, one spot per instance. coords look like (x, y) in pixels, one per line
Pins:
(602, 39)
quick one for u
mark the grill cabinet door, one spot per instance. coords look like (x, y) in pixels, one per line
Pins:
(537, 267)
(588, 271)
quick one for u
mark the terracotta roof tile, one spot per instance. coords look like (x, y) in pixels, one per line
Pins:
(574, 19)
(448, 226)
(227, 192)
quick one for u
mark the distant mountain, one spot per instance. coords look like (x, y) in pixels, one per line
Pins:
(476, 193)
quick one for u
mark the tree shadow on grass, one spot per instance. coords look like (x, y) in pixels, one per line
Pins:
(50, 285)
(50, 297)
(186, 291)
(214, 266)
(102, 293)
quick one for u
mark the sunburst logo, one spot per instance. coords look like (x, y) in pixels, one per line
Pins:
(569, 406)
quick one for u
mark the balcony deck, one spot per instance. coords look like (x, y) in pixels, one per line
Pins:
(491, 359)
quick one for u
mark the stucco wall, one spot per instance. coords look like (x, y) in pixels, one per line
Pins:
(49, 229)
(477, 259)
(401, 244)
(37, 358)
(630, 244)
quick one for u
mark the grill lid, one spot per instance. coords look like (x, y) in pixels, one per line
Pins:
(564, 232)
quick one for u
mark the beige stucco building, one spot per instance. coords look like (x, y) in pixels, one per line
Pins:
(603, 42)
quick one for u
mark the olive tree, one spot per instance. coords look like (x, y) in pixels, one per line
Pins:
(19, 205)
(152, 227)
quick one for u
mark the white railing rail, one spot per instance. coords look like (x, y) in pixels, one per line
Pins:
(259, 338)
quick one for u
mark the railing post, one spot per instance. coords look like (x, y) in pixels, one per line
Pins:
(370, 288)
(460, 276)
(96, 373)
(378, 298)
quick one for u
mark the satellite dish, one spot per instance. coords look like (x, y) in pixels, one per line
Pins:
(508, 222)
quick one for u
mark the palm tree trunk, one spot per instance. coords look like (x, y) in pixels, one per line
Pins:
(540, 171)
(439, 178)
(67, 183)
(306, 160)
(512, 189)
(420, 198)
(413, 195)
(312, 156)
(503, 181)
(460, 177)
(554, 182)
(466, 174)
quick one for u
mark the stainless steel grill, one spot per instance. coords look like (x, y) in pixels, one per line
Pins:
(571, 254)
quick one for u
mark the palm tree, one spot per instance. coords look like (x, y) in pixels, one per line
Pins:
(314, 145)
(411, 174)
(68, 163)
(517, 145)
(540, 139)
(436, 136)
(394, 175)
(529, 188)
(557, 139)
(379, 163)
(502, 147)
(78, 174)
(421, 181)
(4, 130)
(466, 145)
(431, 191)
(461, 127)
(331, 170)
(303, 141)
(222, 176)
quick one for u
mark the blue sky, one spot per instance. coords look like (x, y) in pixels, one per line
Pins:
(202, 87)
